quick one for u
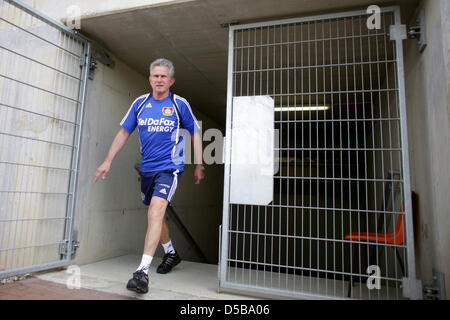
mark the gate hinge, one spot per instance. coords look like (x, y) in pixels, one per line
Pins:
(64, 247)
(418, 31)
(403, 32)
(435, 291)
(99, 55)
(92, 67)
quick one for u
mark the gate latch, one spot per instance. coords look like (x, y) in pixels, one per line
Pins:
(64, 247)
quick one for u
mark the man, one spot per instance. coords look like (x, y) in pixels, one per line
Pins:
(160, 117)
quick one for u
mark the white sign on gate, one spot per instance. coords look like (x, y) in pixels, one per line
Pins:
(252, 155)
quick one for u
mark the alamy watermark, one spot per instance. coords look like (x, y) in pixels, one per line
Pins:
(213, 153)
(73, 17)
(74, 279)
(374, 20)
(374, 280)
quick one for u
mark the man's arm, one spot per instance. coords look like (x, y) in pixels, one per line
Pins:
(199, 173)
(117, 145)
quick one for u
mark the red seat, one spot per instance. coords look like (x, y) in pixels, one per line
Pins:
(397, 237)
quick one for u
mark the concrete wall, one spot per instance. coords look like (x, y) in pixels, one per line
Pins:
(427, 88)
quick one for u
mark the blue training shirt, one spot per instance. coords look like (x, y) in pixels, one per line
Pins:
(160, 125)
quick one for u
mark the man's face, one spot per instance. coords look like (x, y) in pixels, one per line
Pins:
(160, 80)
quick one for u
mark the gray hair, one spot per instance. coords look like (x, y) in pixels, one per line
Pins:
(163, 63)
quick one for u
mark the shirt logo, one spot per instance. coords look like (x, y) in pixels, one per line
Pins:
(167, 111)
(157, 125)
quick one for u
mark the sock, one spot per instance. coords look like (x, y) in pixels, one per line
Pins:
(145, 263)
(168, 247)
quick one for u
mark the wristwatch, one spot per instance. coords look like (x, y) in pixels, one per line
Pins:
(201, 167)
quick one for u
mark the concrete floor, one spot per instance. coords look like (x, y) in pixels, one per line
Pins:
(187, 281)
(106, 280)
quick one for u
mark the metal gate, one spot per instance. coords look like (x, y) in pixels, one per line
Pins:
(340, 223)
(43, 78)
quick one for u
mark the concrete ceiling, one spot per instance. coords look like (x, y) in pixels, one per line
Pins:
(190, 35)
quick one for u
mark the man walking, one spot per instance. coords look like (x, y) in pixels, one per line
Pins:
(160, 117)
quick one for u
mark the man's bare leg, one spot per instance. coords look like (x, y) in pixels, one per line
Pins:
(165, 237)
(171, 257)
(155, 216)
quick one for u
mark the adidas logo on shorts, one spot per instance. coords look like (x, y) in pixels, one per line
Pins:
(163, 191)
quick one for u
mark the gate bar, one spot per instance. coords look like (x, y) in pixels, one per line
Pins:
(405, 155)
(308, 19)
(11, 273)
(38, 114)
(48, 20)
(77, 156)
(38, 62)
(39, 37)
(227, 142)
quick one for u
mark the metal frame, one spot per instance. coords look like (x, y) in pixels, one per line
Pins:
(223, 270)
(405, 154)
(83, 61)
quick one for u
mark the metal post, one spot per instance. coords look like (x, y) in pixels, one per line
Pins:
(226, 194)
(411, 269)
(78, 149)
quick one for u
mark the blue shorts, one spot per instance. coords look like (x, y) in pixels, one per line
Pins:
(160, 184)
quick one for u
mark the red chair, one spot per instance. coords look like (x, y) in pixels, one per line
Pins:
(397, 237)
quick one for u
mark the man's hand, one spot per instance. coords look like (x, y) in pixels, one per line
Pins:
(199, 174)
(117, 144)
(102, 170)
